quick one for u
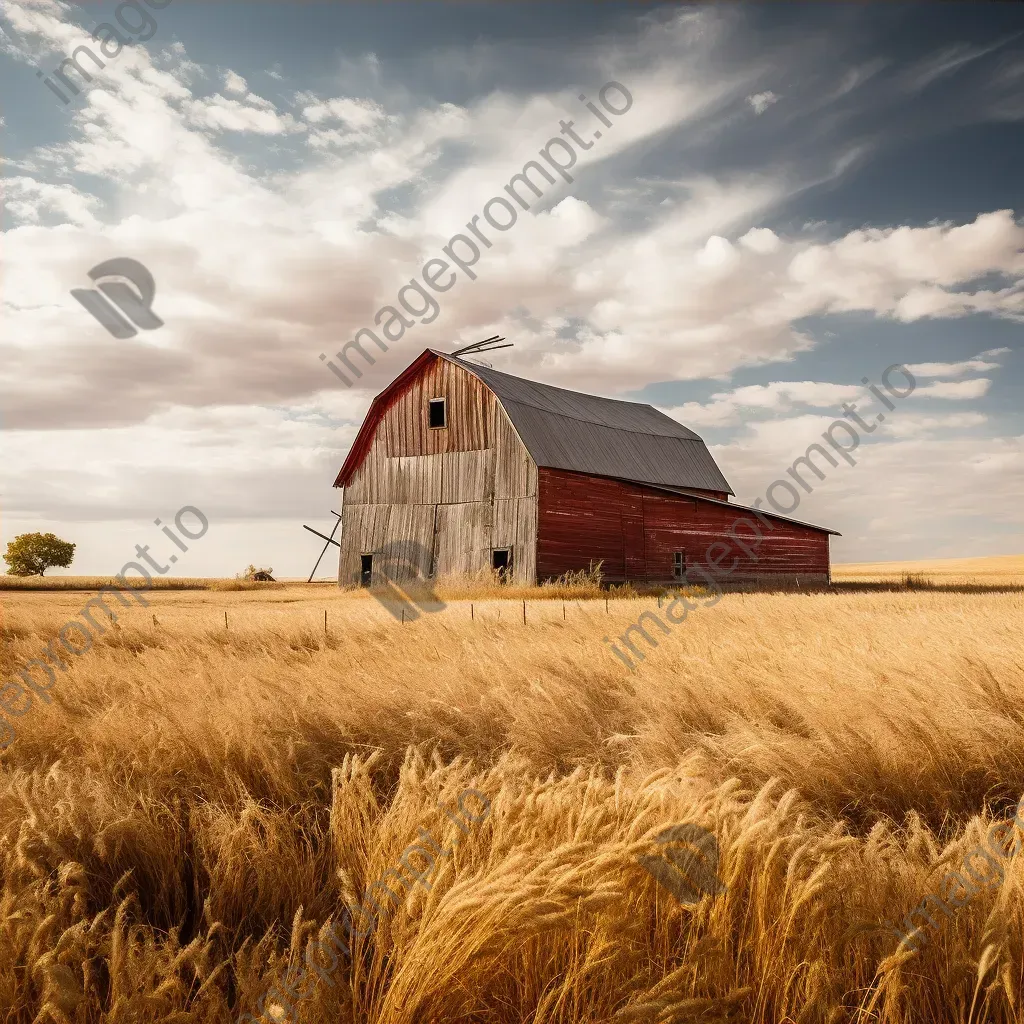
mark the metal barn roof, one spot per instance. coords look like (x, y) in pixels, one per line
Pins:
(601, 436)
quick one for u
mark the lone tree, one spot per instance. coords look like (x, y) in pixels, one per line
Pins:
(31, 554)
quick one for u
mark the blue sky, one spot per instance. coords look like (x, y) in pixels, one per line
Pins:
(798, 197)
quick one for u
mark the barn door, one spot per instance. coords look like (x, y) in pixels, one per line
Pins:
(671, 541)
(633, 547)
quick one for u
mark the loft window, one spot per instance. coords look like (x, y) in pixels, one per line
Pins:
(438, 412)
(501, 562)
(679, 564)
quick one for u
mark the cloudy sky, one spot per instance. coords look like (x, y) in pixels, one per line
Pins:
(797, 198)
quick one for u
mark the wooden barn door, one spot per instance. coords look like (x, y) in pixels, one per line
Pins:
(633, 546)
(668, 529)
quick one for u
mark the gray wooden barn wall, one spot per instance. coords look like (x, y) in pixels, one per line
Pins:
(440, 500)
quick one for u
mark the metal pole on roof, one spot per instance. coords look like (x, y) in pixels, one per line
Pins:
(487, 345)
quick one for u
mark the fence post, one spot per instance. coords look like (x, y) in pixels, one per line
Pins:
(225, 619)
(325, 620)
(524, 611)
(471, 615)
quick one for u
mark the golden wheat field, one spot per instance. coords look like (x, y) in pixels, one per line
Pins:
(995, 570)
(213, 781)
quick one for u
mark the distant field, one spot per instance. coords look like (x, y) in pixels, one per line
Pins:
(993, 571)
(159, 583)
(219, 774)
(1006, 569)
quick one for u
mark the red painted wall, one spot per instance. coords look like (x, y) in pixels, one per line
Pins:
(635, 531)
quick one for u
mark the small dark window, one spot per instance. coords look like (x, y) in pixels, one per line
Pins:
(438, 412)
(365, 570)
(679, 564)
(501, 560)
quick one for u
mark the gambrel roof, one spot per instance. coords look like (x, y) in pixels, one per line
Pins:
(601, 436)
(572, 431)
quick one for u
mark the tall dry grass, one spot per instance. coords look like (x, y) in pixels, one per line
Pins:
(197, 802)
(86, 583)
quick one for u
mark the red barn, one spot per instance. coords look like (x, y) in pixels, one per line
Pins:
(459, 467)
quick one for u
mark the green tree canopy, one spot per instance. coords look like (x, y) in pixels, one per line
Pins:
(31, 554)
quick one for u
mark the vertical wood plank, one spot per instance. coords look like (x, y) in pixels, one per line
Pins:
(457, 492)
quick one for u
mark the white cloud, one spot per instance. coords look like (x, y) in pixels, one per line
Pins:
(356, 113)
(979, 364)
(959, 390)
(914, 483)
(257, 115)
(943, 63)
(29, 201)
(699, 290)
(761, 101)
(669, 302)
(234, 82)
(728, 407)
(761, 240)
(917, 425)
(876, 267)
(286, 456)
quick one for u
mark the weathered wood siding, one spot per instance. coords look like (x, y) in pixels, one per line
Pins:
(405, 427)
(442, 497)
(635, 530)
